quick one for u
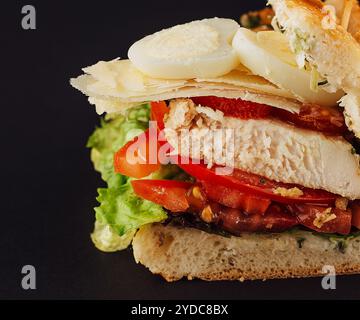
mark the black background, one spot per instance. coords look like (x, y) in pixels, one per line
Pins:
(48, 185)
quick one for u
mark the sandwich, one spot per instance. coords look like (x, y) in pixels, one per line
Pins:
(231, 152)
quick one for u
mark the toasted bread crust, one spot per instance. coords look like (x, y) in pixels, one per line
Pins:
(333, 50)
(354, 22)
(174, 253)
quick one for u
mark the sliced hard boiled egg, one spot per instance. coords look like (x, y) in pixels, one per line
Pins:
(193, 50)
(267, 54)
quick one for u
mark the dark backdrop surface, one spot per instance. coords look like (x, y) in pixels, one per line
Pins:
(47, 181)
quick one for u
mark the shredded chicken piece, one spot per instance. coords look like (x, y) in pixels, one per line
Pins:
(323, 217)
(341, 203)
(294, 192)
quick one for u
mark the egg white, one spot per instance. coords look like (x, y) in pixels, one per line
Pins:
(268, 54)
(193, 50)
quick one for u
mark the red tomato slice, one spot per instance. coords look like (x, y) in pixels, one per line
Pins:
(158, 112)
(236, 108)
(307, 214)
(313, 117)
(255, 185)
(233, 198)
(136, 159)
(169, 194)
(356, 215)
(275, 220)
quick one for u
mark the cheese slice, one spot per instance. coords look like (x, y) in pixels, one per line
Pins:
(116, 85)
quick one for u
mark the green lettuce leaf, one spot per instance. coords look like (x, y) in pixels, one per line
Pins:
(106, 239)
(124, 211)
(113, 133)
(121, 212)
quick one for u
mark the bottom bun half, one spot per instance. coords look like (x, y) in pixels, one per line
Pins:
(178, 252)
